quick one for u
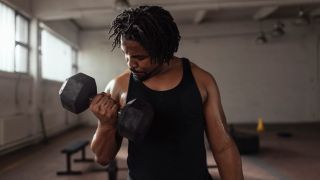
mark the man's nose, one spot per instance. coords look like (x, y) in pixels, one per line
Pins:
(132, 63)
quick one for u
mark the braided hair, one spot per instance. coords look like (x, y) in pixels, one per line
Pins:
(151, 26)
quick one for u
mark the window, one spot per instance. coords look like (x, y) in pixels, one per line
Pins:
(21, 46)
(57, 57)
(7, 42)
(14, 44)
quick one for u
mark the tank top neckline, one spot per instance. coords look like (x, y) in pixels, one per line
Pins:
(175, 88)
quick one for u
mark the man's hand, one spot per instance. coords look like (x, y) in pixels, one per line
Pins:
(105, 109)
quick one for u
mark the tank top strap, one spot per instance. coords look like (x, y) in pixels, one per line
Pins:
(134, 89)
(187, 73)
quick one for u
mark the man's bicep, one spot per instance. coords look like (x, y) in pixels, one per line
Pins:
(117, 88)
(111, 88)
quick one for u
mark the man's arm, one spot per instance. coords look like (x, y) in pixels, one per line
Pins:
(223, 147)
(106, 141)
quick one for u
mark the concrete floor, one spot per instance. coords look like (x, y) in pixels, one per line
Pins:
(296, 157)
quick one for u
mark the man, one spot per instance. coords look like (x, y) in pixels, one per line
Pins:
(185, 99)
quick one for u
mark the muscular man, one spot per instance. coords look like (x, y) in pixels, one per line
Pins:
(185, 99)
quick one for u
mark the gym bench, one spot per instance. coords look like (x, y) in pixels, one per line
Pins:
(112, 168)
(71, 149)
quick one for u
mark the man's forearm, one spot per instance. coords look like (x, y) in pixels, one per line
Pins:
(229, 164)
(105, 144)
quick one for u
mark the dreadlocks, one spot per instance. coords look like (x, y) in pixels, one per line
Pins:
(151, 26)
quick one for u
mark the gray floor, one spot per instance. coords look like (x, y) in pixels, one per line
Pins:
(296, 157)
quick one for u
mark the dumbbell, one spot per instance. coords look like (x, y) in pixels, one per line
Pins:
(134, 119)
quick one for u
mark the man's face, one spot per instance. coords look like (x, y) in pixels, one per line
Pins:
(138, 59)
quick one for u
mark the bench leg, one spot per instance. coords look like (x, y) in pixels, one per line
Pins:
(83, 157)
(68, 171)
(112, 170)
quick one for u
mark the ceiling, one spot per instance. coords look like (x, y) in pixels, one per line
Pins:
(97, 14)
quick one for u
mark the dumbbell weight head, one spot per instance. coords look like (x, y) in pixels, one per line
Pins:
(76, 91)
(135, 119)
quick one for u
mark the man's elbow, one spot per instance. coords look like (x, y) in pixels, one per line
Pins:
(228, 146)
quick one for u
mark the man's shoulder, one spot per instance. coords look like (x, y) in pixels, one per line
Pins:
(119, 84)
(204, 80)
(122, 79)
(200, 74)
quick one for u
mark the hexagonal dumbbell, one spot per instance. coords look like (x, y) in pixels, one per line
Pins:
(134, 119)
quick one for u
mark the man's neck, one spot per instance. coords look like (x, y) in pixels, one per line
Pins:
(162, 70)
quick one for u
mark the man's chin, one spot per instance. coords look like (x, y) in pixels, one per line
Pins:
(140, 77)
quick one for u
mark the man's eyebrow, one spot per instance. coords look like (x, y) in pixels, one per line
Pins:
(139, 55)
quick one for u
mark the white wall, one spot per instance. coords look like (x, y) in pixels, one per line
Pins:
(277, 81)
(19, 114)
(25, 96)
(14, 100)
(66, 30)
(98, 61)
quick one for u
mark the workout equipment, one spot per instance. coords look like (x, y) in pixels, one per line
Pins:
(247, 142)
(260, 125)
(134, 119)
(76, 92)
(71, 149)
(284, 134)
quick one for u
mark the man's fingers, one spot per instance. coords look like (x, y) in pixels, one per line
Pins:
(109, 103)
(97, 100)
(115, 107)
(103, 101)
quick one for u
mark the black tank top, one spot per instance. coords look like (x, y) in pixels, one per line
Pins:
(174, 147)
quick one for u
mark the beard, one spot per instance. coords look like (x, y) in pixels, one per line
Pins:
(140, 76)
(143, 75)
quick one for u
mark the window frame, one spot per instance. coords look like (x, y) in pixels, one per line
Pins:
(17, 43)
